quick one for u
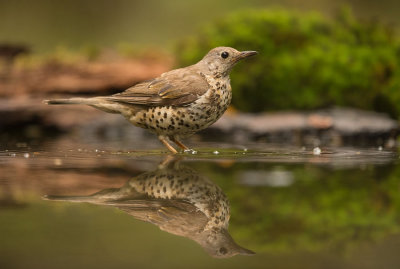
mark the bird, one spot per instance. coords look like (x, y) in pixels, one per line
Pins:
(179, 102)
(179, 201)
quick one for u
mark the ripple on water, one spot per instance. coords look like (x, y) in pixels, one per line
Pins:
(339, 156)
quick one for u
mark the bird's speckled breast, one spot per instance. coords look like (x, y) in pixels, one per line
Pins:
(187, 120)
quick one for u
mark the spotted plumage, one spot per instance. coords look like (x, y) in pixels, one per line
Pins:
(178, 103)
(202, 193)
(178, 200)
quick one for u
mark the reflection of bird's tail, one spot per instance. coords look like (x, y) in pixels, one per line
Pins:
(73, 101)
(100, 197)
(76, 199)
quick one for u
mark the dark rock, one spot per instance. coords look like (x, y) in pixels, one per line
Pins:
(337, 126)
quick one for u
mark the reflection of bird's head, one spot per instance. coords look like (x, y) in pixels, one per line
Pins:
(220, 60)
(220, 244)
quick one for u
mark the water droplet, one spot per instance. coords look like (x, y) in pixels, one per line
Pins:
(317, 151)
(216, 152)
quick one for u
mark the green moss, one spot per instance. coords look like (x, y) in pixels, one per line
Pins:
(306, 61)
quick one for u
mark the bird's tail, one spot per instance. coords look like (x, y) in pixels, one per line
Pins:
(73, 101)
(96, 198)
(102, 103)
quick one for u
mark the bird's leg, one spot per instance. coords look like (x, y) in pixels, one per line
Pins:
(180, 144)
(169, 161)
(165, 142)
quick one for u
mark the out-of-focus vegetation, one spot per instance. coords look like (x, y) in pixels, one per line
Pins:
(306, 61)
(323, 209)
(76, 23)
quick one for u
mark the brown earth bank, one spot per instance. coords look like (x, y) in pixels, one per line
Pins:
(109, 73)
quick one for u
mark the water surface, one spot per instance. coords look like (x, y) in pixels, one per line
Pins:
(292, 207)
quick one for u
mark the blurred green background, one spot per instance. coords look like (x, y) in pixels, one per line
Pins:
(46, 24)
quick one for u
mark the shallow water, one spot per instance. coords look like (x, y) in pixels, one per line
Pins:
(293, 207)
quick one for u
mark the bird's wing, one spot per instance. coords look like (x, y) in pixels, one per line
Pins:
(174, 216)
(175, 88)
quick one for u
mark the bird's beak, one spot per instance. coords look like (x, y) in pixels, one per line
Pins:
(244, 251)
(244, 54)
(247, 53)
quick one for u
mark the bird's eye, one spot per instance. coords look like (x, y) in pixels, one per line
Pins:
(224, 54)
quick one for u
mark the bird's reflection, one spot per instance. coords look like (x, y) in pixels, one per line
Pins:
(178, 200)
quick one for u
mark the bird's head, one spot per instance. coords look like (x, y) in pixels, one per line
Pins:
(220, 60)
(220, 244)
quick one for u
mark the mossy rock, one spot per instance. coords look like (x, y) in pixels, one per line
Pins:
(306, 61)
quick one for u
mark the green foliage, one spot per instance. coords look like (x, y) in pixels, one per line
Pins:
(324, 209)
(306, 61)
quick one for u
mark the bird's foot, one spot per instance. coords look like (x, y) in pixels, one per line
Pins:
(190, 151)
(182, 146)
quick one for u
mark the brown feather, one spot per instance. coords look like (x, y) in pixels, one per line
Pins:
(174, 216)
(175, 88)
